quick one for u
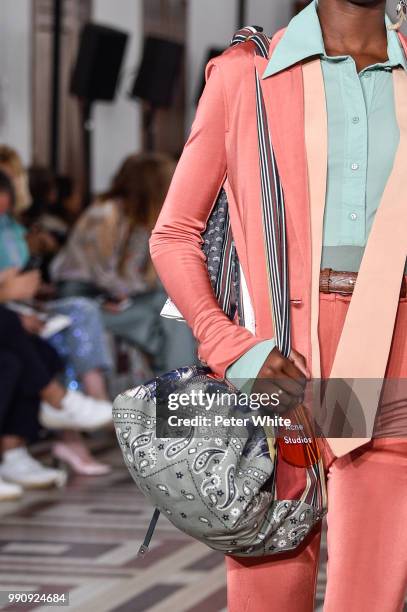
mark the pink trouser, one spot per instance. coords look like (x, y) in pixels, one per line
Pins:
(367, 517)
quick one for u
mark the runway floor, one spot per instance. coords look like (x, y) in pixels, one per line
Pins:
(84, 540)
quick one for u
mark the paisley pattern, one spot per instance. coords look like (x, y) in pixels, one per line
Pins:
(204, 458)
(220, 489)
(222, 260)
(214, 236)
(177, 447)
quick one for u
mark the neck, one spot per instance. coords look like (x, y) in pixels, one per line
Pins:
(354, 27)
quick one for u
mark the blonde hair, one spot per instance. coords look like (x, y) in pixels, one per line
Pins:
(11, 164)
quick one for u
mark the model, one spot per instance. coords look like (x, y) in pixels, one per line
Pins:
(335, 93)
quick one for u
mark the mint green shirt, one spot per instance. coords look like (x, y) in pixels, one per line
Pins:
(363, 136)
(14, 251)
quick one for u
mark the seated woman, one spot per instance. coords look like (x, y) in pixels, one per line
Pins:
(45, 213)
(46, 208)
(82, 343)
(18, 421)
(31, 389)
(107, 256)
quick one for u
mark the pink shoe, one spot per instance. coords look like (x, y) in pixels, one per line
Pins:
(83, 466)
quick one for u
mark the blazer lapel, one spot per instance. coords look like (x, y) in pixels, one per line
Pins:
(372, 311)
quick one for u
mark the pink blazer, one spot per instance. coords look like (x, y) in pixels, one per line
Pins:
(223, 143)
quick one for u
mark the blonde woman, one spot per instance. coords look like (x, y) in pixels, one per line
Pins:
(11, 164)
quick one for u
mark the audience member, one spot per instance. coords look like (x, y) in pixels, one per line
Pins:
(45, 210)
(11, 164)
(70, 200)
(42, 243)
(82, 343)
(106, 256)
(105, 279)
(29, 376)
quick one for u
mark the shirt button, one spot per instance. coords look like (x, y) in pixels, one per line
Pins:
(355, 166)
(367, 75)
(353, 216)
(355, 119)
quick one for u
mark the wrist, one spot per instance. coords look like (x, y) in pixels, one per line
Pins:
(245, 370)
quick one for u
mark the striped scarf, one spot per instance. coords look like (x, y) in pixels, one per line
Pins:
(223, 262)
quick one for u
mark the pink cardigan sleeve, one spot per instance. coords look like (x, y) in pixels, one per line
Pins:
(176, 241)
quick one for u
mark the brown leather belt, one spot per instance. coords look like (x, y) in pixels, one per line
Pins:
(332, 281)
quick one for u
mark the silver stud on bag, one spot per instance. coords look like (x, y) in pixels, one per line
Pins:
(401, 15)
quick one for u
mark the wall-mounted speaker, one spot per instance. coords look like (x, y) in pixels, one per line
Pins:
(158, 72)
(96, 72)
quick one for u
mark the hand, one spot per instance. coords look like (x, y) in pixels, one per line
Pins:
(32, 324)
(47, 291)
(285, 377)
(116, 306)
(112, 307)
(7, 274)
(41, 242)
(300, 362)
(19, 286)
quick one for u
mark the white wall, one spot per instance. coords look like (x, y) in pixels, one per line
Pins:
(212, 23)
(117, 125)
(15, 67)
(270, 14)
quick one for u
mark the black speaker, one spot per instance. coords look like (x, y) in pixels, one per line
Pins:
(159, 69)
(97, 68)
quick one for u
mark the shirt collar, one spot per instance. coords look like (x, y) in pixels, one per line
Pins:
(303, 39)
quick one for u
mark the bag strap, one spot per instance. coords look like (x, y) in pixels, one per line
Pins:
(226, 279)
(150, 531)
(272, 203)
(229, 265)
(275, 230)
(255, 34)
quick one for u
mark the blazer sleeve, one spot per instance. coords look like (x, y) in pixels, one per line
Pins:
(176, 241)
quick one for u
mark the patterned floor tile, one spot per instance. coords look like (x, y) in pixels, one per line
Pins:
(84, 539)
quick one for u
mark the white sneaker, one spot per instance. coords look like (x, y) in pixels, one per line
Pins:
(9, 491)
(21, 469)
(78, 412)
